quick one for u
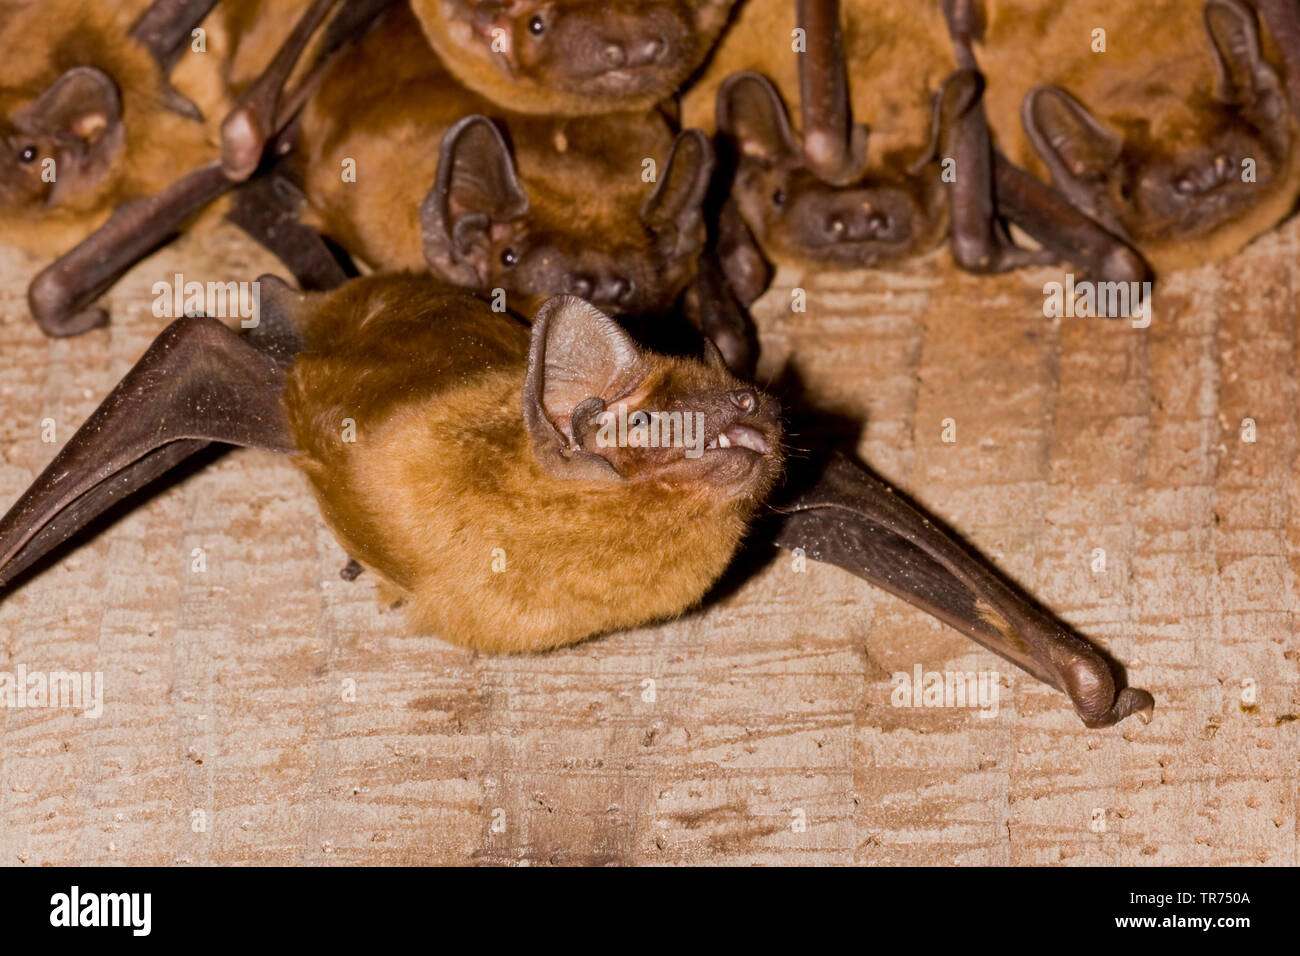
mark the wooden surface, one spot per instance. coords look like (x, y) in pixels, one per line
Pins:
(226, 736)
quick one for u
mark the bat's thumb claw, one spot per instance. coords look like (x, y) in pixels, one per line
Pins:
(1131, 700)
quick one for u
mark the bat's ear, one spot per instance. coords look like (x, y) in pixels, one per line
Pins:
(82, 104)
(752, 114)
(674, 211)
(580, 359)
(81, 112)
(1079, 151)
(1244, 79)
(475, 187)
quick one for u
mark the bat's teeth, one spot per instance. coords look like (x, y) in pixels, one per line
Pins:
(724, 441)
(712, 444)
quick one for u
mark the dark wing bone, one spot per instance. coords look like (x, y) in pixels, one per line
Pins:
(854, 520)
(834, 147)
(198, 382)
(988, 189)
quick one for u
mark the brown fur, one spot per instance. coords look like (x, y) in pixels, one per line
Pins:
(387, 104)
(1153, 85)
(531, 77)
(441, 473)
(38, 43)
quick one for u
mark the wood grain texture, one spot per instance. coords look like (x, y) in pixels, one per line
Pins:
(226, 691)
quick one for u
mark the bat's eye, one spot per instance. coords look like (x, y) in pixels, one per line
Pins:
(28, 154)
(536, 25)
(509, 258)
(778, 197)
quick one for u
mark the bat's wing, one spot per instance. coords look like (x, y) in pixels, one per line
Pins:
(990, 190)
(198, 382)
(854, 520)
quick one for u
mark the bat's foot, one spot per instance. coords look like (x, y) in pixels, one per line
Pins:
(53, 308)
(1090, 684)
(351, 571)
(243, 140)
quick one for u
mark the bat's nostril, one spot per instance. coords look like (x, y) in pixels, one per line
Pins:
(581, 286)
(743, 399)
(613, 55)
(653, 50)
(618, 289)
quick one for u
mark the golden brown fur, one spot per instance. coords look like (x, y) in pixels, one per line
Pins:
(441, 475)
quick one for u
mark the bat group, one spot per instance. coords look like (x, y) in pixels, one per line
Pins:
(481, 390)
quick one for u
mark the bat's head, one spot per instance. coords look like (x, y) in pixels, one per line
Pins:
(60, 146)
(598, 408)
(1227, 150)
(564, 55)
(796, 215)
(482, 230)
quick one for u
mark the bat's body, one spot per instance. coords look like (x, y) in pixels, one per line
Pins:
(443, 494)
(573, 56)
(563, 207)
(1178, 136)
(86, 105)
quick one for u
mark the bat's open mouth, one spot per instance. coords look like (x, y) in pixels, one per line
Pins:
(741, 436)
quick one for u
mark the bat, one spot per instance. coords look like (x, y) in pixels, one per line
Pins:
(475, 437)
(258, 123)
(829, 193)
(88, 117)
(472, 464)
(571, 57)
(561, 206)
(1180, 137)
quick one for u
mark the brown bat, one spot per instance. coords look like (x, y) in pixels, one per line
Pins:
(479, 469)
(562, 207)
(829, 193)
(88, 117)
(571, 57)
(479, 445)
(61, 296)
(1180, 136)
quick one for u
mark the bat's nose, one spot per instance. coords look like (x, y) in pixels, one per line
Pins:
(642, 51)
(743, 399)
(605, 289)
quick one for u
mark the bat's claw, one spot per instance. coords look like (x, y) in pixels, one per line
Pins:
(243, 140)
(1131, 700)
